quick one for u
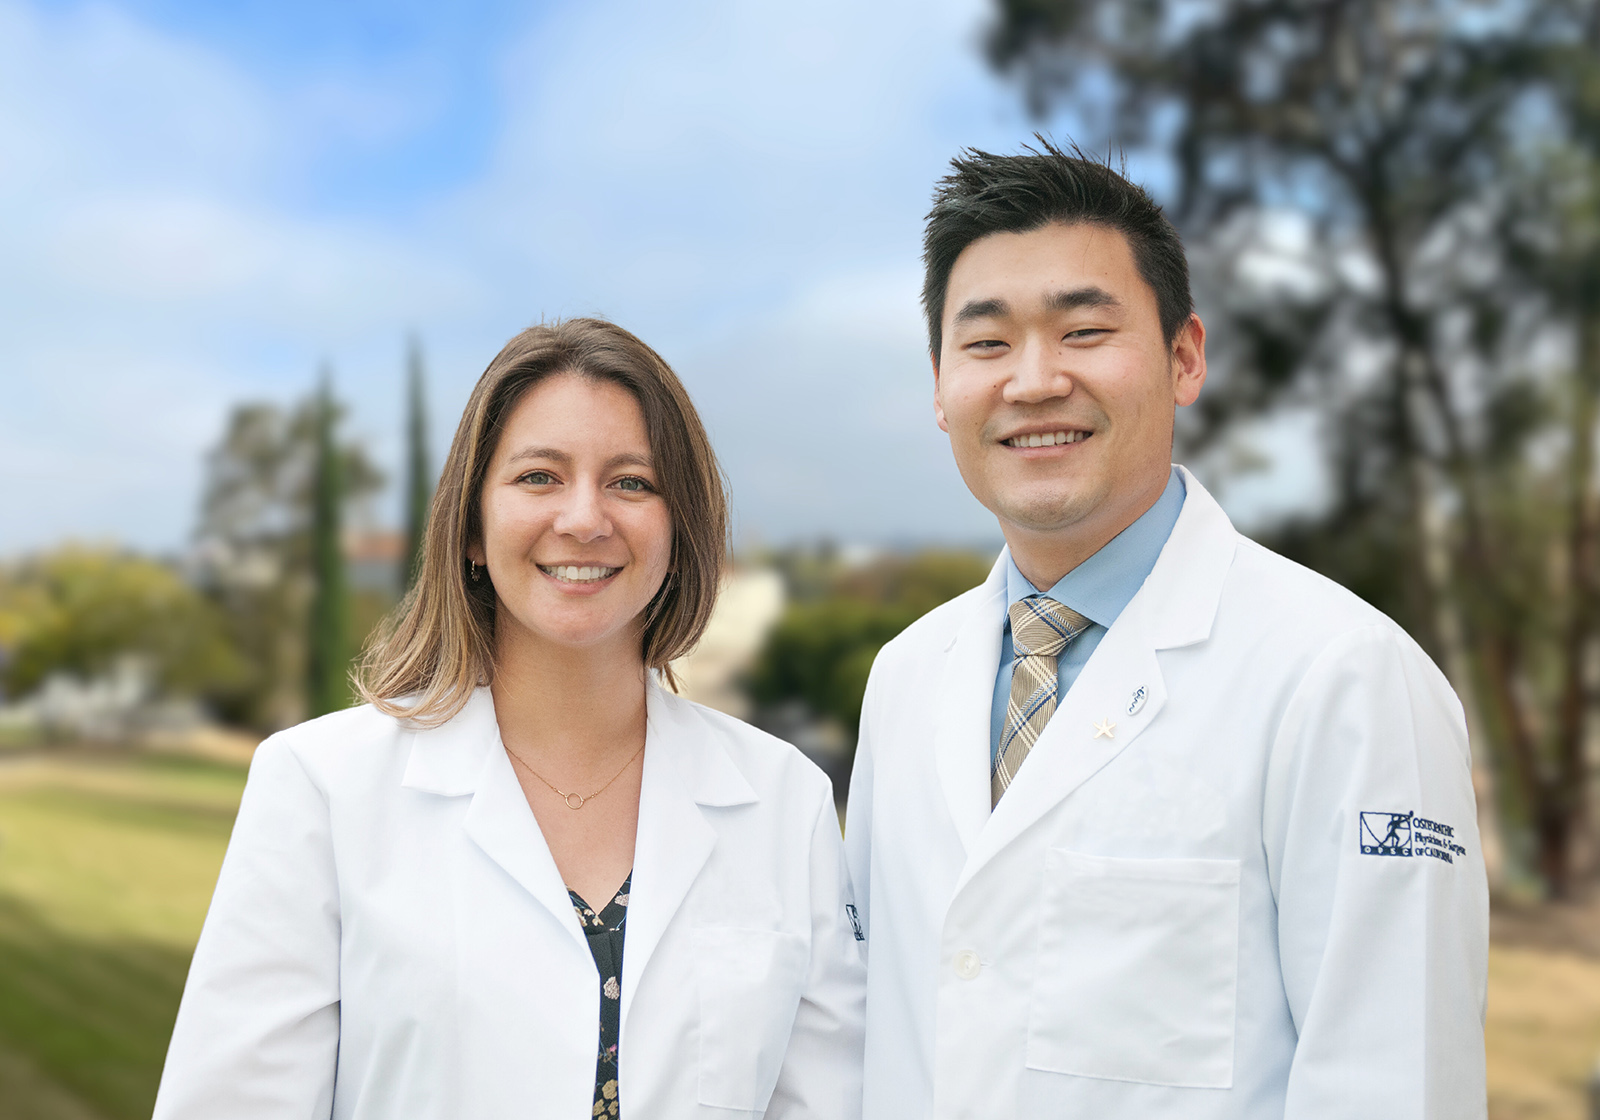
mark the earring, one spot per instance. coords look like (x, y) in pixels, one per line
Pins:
(472, 569)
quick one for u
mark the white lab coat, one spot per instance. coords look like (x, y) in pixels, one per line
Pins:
(1186, 919)
(390, 937)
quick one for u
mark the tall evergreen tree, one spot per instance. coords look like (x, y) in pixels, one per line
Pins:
(327, 654)
(419, 486)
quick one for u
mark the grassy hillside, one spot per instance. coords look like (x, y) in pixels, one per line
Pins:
(106, 866)
(107, 863)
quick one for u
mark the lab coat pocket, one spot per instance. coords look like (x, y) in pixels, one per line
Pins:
(750, 981)
(1138, 970)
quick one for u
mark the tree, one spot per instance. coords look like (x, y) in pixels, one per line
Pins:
(823, 647)
(81, 610)
(419, 480)
(1397, 137)
(253, 546)
(327, 641)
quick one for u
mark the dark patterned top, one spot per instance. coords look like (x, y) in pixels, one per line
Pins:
(605, 932)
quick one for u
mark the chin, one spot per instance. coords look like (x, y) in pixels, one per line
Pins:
(1046, 512)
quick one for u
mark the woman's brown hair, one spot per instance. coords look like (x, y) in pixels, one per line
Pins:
(438, 644)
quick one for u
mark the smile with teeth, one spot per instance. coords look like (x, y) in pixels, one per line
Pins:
(573, 573)
(1047, 439)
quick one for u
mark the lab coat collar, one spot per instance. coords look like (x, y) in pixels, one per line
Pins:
(446, 759)
(1121, 687)
(966, 691)
(449, 759)
(687, 767)
(1178, 602)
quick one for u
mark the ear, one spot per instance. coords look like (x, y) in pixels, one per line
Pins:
(938, 399)
(475, 554)
(1189, 361)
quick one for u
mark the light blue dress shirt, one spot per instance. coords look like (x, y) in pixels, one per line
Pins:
(1098, 589)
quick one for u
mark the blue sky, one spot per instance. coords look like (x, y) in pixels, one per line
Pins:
(203, 202)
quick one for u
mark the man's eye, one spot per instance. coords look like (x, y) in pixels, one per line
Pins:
(1086, 332)
(986, 344)
(634, 485)
(537, 478)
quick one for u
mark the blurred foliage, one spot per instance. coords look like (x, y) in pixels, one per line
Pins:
(1393, 213)
(79, 610)
(840, 615)
(327, 621)
(255, 542)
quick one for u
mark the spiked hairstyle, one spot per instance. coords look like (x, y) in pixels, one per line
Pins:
(986, 194)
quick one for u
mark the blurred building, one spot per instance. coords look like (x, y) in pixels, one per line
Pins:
(750, 604)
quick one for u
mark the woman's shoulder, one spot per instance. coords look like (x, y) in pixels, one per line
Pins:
(771, 765)
(339, 747)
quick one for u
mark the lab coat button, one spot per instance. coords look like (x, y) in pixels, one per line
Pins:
(968, 965)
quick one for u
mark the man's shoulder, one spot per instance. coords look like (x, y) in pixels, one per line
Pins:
(933, 632)
(1298, 605)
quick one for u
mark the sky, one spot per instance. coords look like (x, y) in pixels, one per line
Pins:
(204, 204)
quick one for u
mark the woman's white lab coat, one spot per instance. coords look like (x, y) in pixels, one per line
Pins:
(390, 936)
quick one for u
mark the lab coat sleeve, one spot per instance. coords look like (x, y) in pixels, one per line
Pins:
(257, 1033)
(1383, 947)
(821, 1074)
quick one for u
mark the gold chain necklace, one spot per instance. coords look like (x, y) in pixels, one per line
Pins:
(569, 798)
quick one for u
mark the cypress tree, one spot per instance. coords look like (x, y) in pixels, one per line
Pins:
(419, 489)
(327, 654)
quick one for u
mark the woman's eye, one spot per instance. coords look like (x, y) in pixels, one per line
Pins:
(634, 485)
(538, 478)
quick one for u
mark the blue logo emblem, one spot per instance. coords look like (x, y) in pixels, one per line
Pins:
(855, 921)
(1138, 700)
(1386, 834)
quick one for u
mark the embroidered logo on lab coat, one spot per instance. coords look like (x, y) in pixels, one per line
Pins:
(855, 920)
(1386, 834)
(1406, 834)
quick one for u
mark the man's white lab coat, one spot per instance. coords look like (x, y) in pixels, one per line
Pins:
(390, 937)
(1238, 876)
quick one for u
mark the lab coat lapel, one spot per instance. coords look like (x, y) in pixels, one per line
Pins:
(464, 757)
(500, 822)
(1121, 688)
(965, 698)
(1116, 696)
(686, 766)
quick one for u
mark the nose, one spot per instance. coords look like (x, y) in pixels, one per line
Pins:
(1038, 374)
(582, 515)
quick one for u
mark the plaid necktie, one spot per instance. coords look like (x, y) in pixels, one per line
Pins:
(1040, 630)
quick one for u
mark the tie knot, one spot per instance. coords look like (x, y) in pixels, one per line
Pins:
(1041, 627)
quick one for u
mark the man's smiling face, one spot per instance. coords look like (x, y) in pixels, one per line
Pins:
(1056, 386)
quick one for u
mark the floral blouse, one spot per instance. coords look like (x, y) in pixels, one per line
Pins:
(605, 932)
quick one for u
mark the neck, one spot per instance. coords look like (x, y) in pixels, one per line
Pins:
(572, 709)
(1044, 556)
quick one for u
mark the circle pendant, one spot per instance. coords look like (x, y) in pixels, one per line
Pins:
(574, 800)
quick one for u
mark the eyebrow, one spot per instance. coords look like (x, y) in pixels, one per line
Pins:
(555, 455)
(1063, 300)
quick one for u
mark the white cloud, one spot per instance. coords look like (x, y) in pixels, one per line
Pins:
(742, 184)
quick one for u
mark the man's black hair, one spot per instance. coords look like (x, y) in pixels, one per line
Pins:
(986, 194)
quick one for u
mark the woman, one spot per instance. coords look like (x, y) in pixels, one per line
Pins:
(427, 900)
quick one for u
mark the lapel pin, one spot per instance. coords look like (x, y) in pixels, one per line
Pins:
(1139, 697)
(1105, 727)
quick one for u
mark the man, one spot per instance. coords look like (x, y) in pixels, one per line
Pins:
(1111, 818)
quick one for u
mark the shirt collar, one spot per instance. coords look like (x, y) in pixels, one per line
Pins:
(1103, 584)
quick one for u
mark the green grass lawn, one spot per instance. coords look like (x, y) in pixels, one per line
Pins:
(107, 862)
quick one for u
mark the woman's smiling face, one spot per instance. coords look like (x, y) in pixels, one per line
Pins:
(576, 537)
